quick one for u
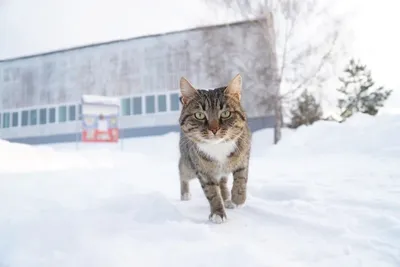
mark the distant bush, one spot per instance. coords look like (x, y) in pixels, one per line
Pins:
(306, 111)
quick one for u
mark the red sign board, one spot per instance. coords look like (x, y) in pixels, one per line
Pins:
(100, 128)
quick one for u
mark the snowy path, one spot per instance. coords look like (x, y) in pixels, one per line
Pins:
(304, 209)
(294, 217)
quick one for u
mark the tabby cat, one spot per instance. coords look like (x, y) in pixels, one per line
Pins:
(215, 141)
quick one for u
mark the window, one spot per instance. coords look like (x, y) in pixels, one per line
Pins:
(72, 113)
(137, 105)
(126, 106)
(14, 121)
(42, 116)
(52, 115)
(162, 103)
(24, 118)
(33, 117)
(6, 120)
(150, 104)
(174, 101)
(62, 114)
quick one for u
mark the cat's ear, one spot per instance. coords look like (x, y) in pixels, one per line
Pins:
(187, 91)
(234, 87)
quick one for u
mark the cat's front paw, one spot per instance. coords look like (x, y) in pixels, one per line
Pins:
(239, 199)
(218, 217)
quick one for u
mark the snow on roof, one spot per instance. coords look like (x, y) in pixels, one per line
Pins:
(98, 99)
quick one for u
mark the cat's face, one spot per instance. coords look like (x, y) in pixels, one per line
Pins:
(212, 116)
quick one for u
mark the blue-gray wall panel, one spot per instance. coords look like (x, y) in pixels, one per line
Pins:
(254, 123)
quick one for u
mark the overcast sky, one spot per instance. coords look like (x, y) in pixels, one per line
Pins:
(29, 27)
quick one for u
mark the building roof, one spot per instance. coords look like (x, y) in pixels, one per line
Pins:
(128, 40)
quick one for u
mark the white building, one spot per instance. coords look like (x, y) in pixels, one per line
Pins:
(40, 94)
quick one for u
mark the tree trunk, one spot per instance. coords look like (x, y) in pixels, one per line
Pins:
(278, 120)
(276, 76)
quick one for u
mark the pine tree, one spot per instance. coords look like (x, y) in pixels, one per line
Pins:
(306, 111)
(359, 93)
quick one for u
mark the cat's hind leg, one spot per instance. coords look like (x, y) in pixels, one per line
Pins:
(185, 191)
(185, 175)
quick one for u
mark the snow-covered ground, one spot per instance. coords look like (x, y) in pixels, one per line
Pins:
(327, 196)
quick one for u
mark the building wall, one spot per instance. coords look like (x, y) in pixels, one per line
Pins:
(39, 93)
(141, 65)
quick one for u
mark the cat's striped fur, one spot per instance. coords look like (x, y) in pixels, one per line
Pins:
(215, 141)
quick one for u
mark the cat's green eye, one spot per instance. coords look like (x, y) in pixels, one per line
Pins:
(225, 114)
(199, 115)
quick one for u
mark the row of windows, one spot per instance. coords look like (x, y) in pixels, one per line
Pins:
(40, 116)
(129, 106)
(152, 104)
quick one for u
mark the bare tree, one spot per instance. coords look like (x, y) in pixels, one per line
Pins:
(299, 38)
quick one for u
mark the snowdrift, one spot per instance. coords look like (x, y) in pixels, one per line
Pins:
(359, 134)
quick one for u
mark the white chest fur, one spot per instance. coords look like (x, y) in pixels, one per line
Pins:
(219, 151)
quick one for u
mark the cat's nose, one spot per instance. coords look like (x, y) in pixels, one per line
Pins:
(214, 130)
(213, 126)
